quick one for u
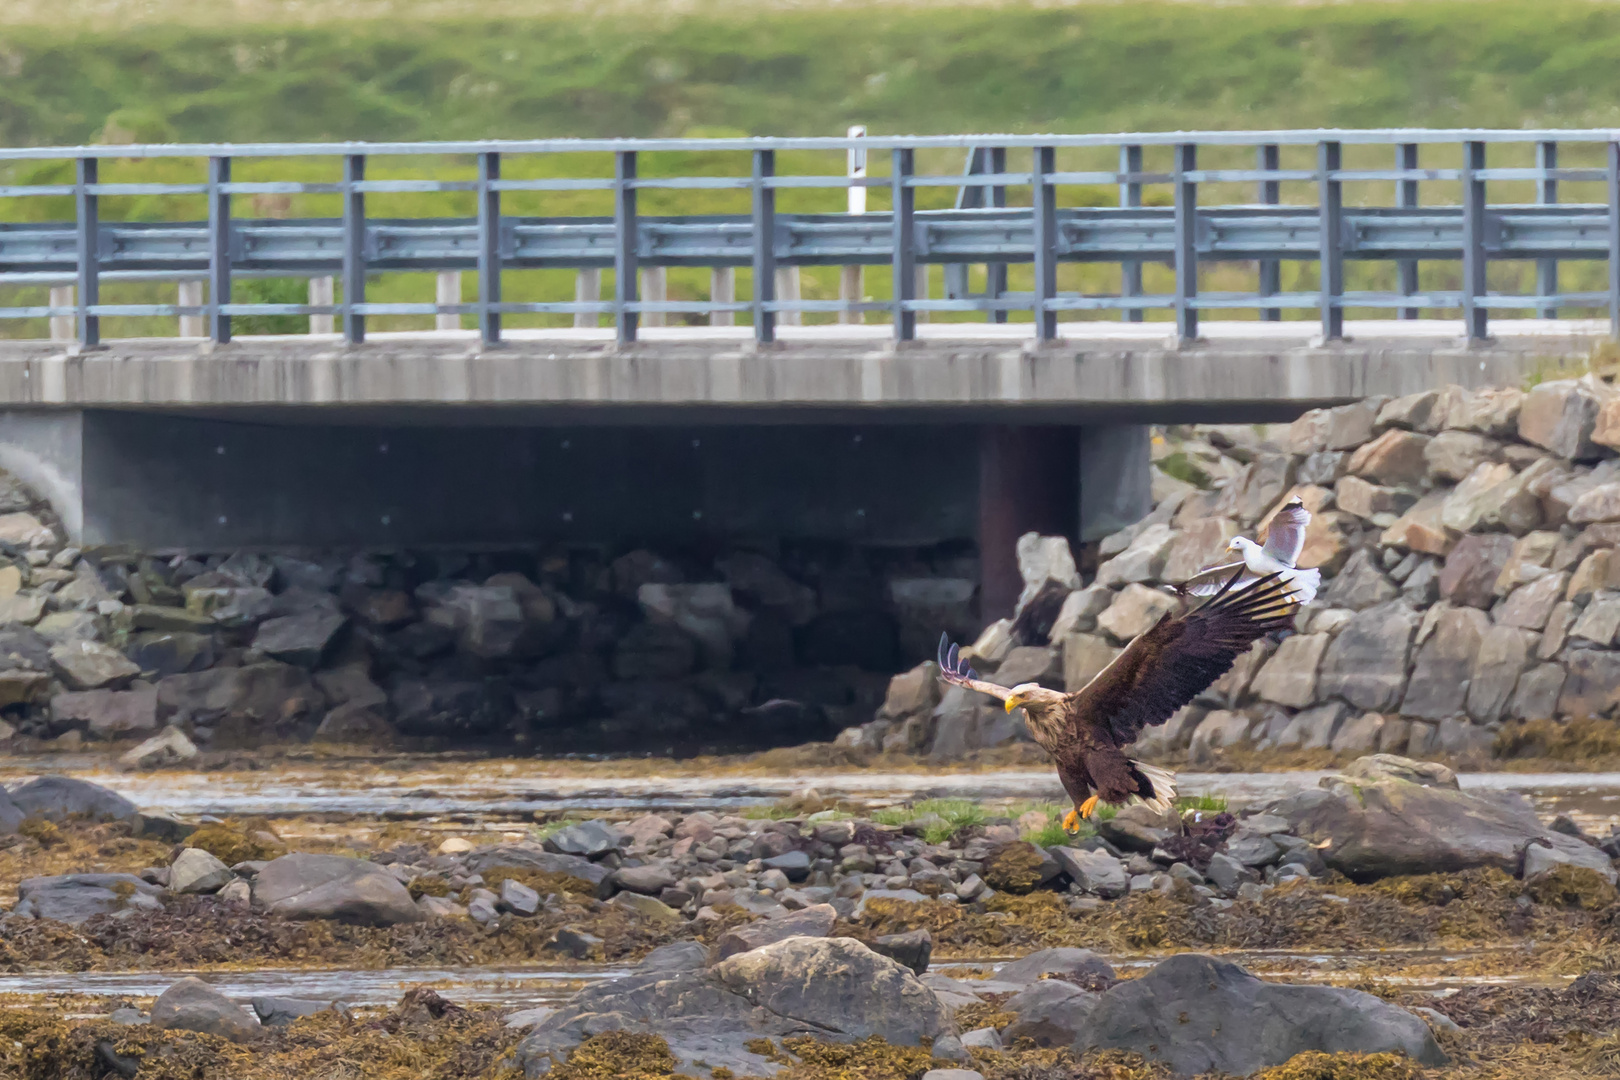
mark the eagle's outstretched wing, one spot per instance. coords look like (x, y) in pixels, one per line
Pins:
(953, 669)
(1178, 658)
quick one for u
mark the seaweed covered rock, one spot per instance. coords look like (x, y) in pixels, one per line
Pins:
(193, 1005)
(1201, 1015)
(304, 886)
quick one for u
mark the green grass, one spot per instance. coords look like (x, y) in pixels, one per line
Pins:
(125, 71)
(1211, 803)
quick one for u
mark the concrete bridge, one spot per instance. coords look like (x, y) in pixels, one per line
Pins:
(762, 415)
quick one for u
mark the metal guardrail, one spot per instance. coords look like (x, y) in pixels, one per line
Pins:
(982, 229)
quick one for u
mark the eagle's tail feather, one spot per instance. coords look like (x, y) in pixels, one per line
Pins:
(1161, 781)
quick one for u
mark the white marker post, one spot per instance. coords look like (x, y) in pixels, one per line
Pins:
(851, 286)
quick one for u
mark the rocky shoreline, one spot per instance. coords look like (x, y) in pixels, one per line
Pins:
(805, 941)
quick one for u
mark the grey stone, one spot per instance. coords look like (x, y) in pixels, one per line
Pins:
(1366, 663)
(574, 943)
(1504, 652)
(1592, 684)
(985, 1038)
(1227, 873)
(301, 639)
(1530, 606)
(1314, 728)
(1050, 1012)
(1439, 683)
(795, 864)
(1600, 622)
(1201, 1015)
(1536, 695)
(193, 1005)
(1075, 965)
(109, 714)
(1142, 561)
(1359, 735)
(1032, 663)
(591, 839)
(61, 797)
(833, 988)
(1289, 677)
(281, 1011)
(525, 856)
(169, 747)
(73, 898)
(951, 1074)
(306, 886)
(648, 880)
(1134, 611)
(913, 948)
(1360, 584)
(678, 956)
(1540, 859)
(90, 665)
(196, 871)
(518, 898)
(1139, 828)
(1382, 827)
(1472, 567)
(1452, 455)
(1253, 849)
(1094, 871)
(1560, 416)
(1217, 729)
(812, 922)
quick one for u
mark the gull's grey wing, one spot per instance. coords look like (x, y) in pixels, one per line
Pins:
(1285, 538)
(1211, 579)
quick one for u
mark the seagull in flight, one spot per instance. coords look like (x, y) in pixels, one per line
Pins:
(1285, 539)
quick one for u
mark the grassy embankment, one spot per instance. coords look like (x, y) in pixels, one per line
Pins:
(78, 71)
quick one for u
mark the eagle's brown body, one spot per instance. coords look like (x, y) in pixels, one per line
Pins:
(1087, 729)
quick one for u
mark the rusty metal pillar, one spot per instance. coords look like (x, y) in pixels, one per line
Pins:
(1028, 482)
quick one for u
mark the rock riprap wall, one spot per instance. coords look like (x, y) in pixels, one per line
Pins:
(1467, 545)
(556, 650)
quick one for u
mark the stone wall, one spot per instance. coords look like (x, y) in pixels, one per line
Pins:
(1467, 544)
(576, 649)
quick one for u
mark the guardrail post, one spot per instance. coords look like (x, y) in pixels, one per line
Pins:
(587, 290)
(654, 290)
(1130, 195)
(62, 326)
(624, 248)
(1547, 195)
(89, 222)
(789, 287)
(321, 294)
(219, 250)
(723, 290)
(190, 294)
(354, 249)
(1186, 258)
(1270, 193)
(1406, 195)
(489, 250)
(1042, 165)
(446, 291)
(764, 221)
(1331, 219)
(904, 239)
(995, 274)
(851, 287)
(1475, 311)
(1614, 240)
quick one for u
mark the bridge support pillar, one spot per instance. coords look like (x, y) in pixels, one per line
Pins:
(1028, 482)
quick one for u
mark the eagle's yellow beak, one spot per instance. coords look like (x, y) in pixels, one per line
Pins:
(1013, 701)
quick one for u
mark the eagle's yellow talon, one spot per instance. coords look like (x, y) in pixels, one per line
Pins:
(1071, 822)
(1088, 807)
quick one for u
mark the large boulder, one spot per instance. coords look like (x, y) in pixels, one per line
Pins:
(193, 1005)
(815, 921)
(59, 798)
(108, 714)
(73, 898)
(305, 886)
(524, 856)
(250, 701)
(1080, 966)
(1381, 827)
(832, 988)
(90, 665)
(1201, 1015)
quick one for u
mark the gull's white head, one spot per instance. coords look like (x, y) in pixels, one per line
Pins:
(1241, 544)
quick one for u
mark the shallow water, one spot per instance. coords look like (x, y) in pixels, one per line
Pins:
(508, 790)
(525, 987)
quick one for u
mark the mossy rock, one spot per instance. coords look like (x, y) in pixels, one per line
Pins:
(544, 882)
(1572, 887)
(1015, 868)
(428, 885)
(230, 843)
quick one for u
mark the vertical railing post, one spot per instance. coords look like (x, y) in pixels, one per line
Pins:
(1042, 165)
(1269, 159)
(489, 248)
(624, 247)
(904, 239)
(995, 274)
(1547, 195)
(88, 213)
(1331, 219)
(354, 249)
(851, 289)
(1475, 311)
(189, 294)
(62, 326)
(1130, 195)
(587, 290)
(1186, 243)
(723, 290)
(219, 250)
(321, 294)
(1614, 240)
(654, 290)
(446, 292)
(764, 220)
(1406, 196)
